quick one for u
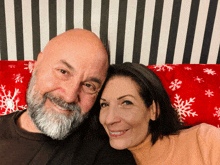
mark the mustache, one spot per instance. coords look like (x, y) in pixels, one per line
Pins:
(60, 102)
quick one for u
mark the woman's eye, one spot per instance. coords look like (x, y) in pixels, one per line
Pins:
(103, 105)
(127, 102)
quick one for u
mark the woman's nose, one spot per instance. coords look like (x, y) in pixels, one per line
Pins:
(112, 116)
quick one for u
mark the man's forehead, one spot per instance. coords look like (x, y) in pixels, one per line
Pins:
(96, 77)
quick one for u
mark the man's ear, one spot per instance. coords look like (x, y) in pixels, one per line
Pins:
(153, 111)
(39, 59)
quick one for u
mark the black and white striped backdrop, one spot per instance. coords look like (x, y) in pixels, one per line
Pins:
(145, 31)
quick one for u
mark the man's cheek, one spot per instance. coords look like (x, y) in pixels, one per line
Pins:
(87, 103)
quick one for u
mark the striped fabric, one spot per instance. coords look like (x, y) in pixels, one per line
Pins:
(144, 31)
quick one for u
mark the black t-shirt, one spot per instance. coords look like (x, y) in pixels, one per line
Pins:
(82, 147)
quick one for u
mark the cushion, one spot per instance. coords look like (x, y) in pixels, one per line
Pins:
(194, 89)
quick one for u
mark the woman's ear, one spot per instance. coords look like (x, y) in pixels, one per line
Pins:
(153, 111)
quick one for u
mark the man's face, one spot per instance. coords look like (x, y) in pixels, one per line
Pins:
(53, 124)
(67, 78)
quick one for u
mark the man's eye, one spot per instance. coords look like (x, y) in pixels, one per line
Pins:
(89, 87)
(63, 71)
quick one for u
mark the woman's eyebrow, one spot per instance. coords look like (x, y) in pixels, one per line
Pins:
(102, 99)
(125, 96)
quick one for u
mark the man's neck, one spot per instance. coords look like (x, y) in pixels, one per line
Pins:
(24, 122)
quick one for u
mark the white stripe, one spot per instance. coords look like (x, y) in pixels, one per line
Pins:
(129, 31)
(199, 32)
(10, 30)
(96, 16)
(78, 14)
(27, 30)
(164, 33)
(215, 40)
(44, 23)
(182, 31)
(147, 31)
(61, 16)
(112, 28)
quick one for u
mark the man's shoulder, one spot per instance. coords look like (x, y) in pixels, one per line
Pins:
(97, 149)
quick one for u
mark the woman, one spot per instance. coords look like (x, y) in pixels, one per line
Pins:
(137, 114)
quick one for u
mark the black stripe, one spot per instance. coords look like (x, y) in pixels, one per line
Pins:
(87, 14)
(104, 21)
(156, 32)
(138, 30)
(173, 31)
(3, 40)
(69, 14)
(121, 31)
(19, 30)
(35, 27)
(52, 18)
(218, 59)
(208, 31)
(191, 31)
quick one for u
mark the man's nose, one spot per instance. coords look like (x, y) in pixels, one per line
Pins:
(71, 91)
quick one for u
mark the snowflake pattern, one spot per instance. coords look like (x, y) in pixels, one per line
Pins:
(163, 67)
(176, 84)
(217, 113)
(7, 101)
(11, 66)
(187, 68)
(209, 71)
(30, 67)
(209, 93)
(18, 78)
(184, 107)
(198, 79)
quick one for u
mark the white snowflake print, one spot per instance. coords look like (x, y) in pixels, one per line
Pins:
(217, 113)
(8, 103)
(198, 79)
(184, 107)
(176, 84)
(11, 66)
(209, 93)
(209, 71)
(163, 67)
(30, 66)
(187, 68)
(18, 78)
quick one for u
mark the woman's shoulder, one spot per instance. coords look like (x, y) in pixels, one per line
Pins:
(202, 131)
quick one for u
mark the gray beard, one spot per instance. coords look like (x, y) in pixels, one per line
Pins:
(53, 124)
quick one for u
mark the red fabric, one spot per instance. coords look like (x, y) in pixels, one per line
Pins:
(194, 89)
(14, 78)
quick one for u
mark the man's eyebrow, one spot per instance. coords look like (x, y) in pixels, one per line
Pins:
(95, 80)
(67, 64)
(124, 96)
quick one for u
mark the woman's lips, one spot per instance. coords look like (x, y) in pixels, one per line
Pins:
(117, 133)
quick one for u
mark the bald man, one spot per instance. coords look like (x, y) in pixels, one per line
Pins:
(58, 126)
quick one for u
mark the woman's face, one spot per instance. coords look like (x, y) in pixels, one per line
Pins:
(123, 113)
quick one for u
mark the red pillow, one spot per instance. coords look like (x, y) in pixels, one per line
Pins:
(194, 90)
(14, 78)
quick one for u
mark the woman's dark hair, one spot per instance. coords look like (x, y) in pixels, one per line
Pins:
(150, 89)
